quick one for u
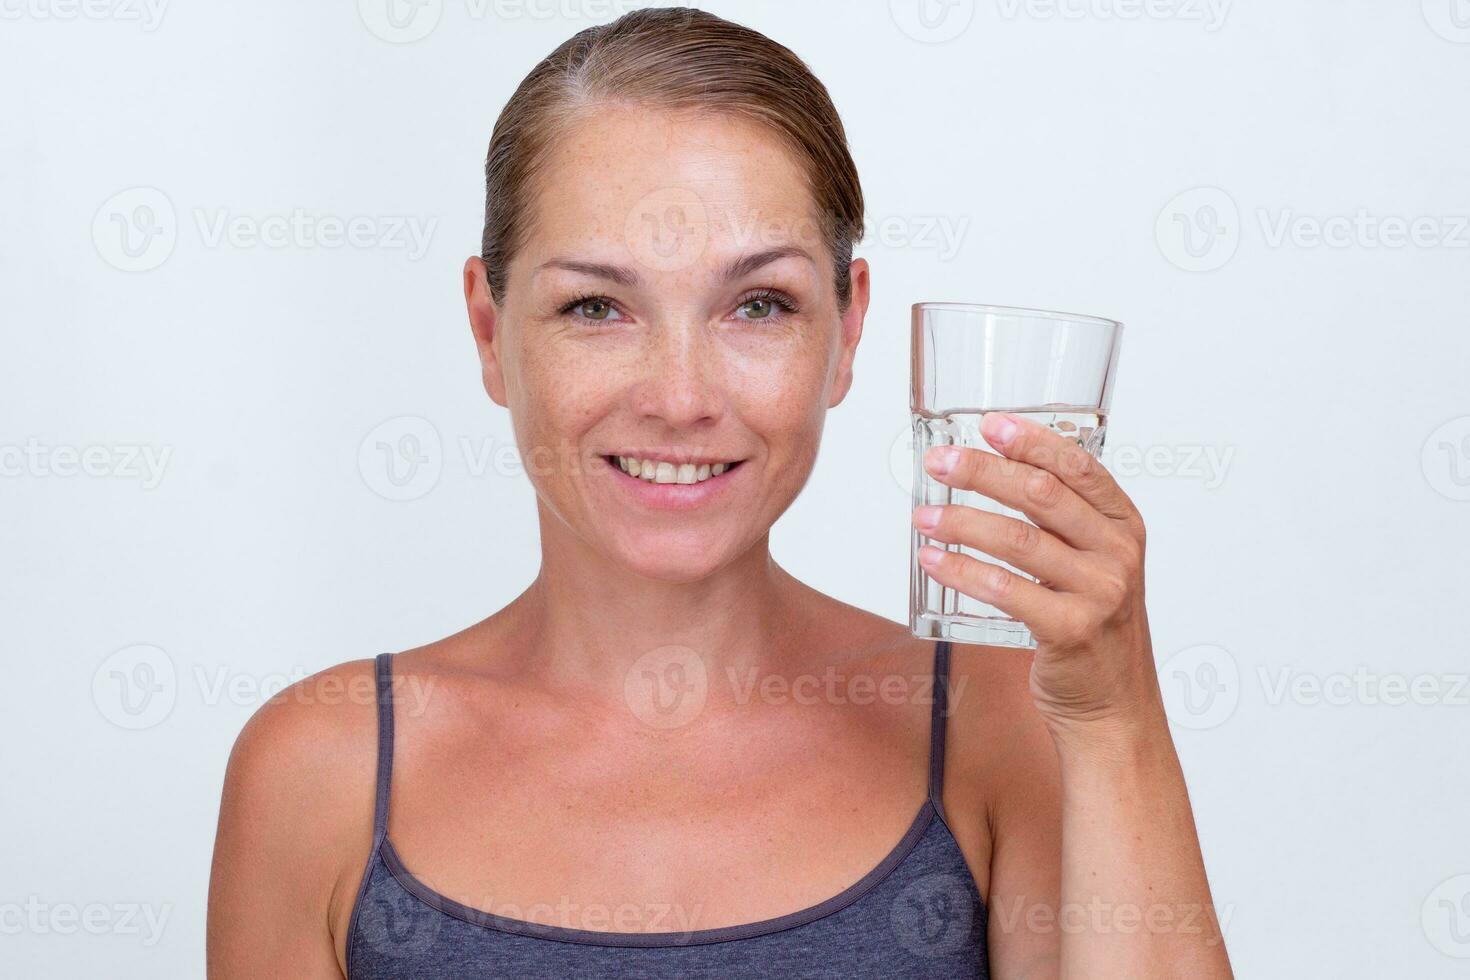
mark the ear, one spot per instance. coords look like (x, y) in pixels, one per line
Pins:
(484, 318)
(852, 331)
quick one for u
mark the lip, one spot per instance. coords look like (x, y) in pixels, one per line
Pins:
(672, 496)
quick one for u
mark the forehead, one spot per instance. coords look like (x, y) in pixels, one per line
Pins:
(670, 190)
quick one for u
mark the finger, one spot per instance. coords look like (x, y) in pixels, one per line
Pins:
(1037, 493)
(1047, 614)
(1028, 442)
(1025, 546)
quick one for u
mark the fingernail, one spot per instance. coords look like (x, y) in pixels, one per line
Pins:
(941, 459)
(929, 556)
(1002, 430)
(927, 517)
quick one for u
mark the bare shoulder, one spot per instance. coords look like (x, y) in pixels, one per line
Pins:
(298, 790)
(1000, 768)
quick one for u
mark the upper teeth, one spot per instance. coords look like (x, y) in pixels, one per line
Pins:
(662, 471)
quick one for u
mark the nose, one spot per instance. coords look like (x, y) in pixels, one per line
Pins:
(679, 380)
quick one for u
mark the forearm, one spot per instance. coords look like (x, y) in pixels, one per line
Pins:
(1135, 901)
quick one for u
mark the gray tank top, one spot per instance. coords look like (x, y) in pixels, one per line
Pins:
(917, 914)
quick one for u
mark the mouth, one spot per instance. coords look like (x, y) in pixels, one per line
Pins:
(666, 471)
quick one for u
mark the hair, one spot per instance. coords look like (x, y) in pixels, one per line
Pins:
(672, 58)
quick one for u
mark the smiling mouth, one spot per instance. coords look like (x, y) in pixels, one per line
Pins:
(663, 471)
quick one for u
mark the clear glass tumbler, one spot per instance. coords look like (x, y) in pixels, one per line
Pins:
(1053, 368)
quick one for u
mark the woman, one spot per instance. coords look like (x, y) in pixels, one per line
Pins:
(667, 757)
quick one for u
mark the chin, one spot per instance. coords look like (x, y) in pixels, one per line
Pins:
(674, 557)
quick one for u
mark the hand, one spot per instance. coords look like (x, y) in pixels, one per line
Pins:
(1094, 661)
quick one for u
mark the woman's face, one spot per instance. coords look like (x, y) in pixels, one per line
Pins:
(673, 304)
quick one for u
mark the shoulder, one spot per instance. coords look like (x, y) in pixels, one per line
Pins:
(300, 781)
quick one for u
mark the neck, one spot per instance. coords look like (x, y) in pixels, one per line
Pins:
(587, 619)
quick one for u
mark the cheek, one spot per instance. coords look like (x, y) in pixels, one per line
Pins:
(554, 398)
(784, 399)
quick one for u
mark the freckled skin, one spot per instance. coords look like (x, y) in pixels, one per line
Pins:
(526, 777)
(679, 367)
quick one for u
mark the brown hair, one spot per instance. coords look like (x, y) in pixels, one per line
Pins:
(674, 58)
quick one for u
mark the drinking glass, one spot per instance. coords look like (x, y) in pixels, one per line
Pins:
(969, 359)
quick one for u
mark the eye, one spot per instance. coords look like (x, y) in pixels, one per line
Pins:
(598, 309)
(766, 304)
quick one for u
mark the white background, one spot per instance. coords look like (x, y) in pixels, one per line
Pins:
(1164, 163)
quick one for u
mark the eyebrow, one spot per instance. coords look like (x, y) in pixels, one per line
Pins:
(625, 276)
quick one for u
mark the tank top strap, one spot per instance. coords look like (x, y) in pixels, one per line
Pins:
(385, 747)
(938, 717)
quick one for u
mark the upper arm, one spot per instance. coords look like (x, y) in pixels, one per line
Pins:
(1009, 785)
(295, 813)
